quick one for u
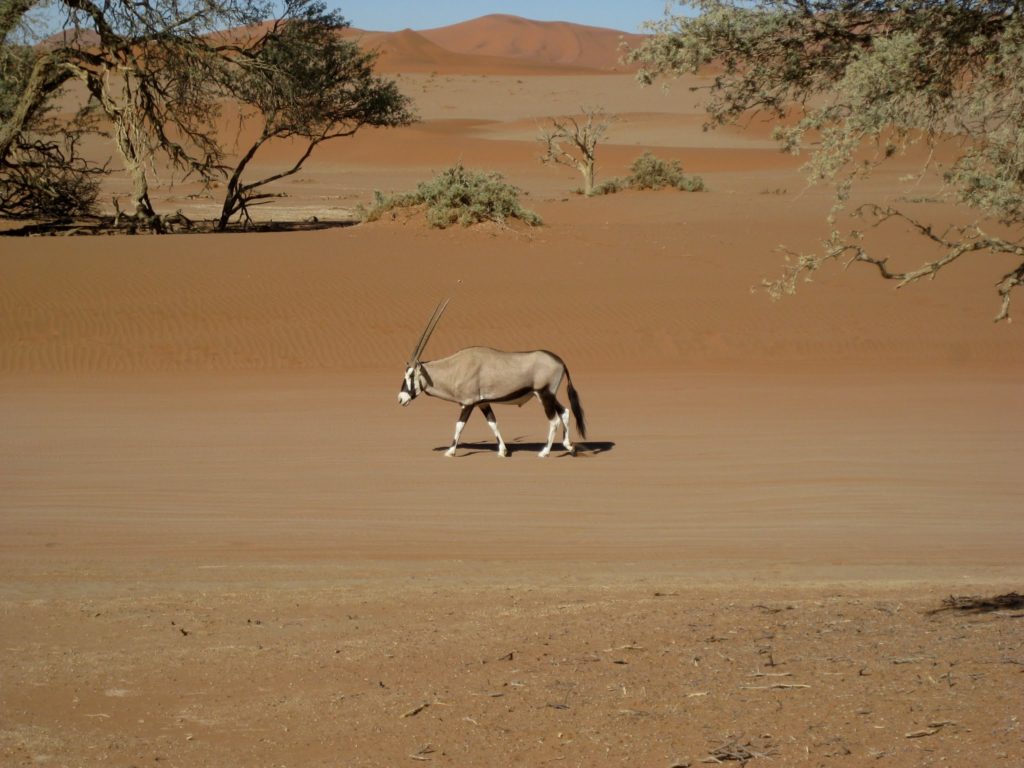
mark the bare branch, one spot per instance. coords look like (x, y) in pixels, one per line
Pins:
(582, 138)
(957, 242)
(858, 83)
(1010, 281)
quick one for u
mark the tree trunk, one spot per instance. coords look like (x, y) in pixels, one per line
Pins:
(130, 139)
(234, 193)
(238, 194)
(135, 166)
(47, 76)
(587, 169)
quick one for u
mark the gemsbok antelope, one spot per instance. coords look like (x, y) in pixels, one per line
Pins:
(477, 377)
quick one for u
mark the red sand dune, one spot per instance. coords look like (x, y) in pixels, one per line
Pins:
(501, 44)
(553, 42)
(409, 51)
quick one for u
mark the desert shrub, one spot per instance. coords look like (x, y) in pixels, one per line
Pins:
(39, 182)
(610, 187)
(650, 172)
(459, 195)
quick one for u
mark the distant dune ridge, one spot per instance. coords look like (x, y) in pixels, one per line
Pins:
(501, 44)
(494, 44)
(552, 42)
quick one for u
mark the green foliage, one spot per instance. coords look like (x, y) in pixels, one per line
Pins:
(303, 80)
(650, 172)
(609, 187)
(148, 67)
(306, 80)
(42, 175)
(15, 68)
(177, 64)
(857, 82)
(459, 196)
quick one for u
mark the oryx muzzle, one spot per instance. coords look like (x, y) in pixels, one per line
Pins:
(477, 377)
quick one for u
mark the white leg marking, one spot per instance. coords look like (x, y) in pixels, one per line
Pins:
(464, 414)
(552, 428)
(493, 424)
(566, 441)
(455, 441)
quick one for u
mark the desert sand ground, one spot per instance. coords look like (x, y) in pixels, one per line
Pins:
(222, 543)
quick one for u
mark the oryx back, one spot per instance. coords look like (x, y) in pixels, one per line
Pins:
(485, 375)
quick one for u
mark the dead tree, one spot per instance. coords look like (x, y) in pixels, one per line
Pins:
(573, 142)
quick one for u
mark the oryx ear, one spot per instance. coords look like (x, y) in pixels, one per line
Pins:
(427, 331)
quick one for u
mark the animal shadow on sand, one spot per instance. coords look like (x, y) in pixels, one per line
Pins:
(583, 449)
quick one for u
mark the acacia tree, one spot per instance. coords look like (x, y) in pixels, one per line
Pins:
(147, 68)
(27, 77)
(302, 81)
(42, 174)
(158, 72)
(572, 142)
(859, 81)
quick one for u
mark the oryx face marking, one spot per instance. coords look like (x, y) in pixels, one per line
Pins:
(409, 388)
(479, 376)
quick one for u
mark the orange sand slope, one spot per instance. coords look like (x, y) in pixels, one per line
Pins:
(849, 424)
(553, 42)
(161, 391)
(644, 294)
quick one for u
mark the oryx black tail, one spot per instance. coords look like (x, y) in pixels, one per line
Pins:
(577, 406)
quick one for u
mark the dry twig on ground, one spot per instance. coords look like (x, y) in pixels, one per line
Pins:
(976, 604)
(733, 750)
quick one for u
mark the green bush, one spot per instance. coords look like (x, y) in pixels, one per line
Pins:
(610, 187)
(459, 196)
(650, 172)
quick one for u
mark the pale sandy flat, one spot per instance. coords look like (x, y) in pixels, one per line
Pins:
(222, 542)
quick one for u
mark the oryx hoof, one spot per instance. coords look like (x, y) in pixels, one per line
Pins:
(571, 449)
(450, 453)
(503, 453)
(543, 453)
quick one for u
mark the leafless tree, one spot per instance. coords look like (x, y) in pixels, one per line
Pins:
(573, 141)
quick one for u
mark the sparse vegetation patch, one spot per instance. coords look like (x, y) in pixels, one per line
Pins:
(651, 172)
(458, 195)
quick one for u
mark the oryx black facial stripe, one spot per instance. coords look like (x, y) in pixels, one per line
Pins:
(408, 386)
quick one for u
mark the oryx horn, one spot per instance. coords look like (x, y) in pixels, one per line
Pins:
(425, 336)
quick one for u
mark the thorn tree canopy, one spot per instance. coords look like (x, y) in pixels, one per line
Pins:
(302, 81)
(859, 81)
(156, 74)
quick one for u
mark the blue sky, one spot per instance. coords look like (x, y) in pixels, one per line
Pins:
(386, 15)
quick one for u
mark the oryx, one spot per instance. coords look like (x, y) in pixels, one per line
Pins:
(476, 377)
